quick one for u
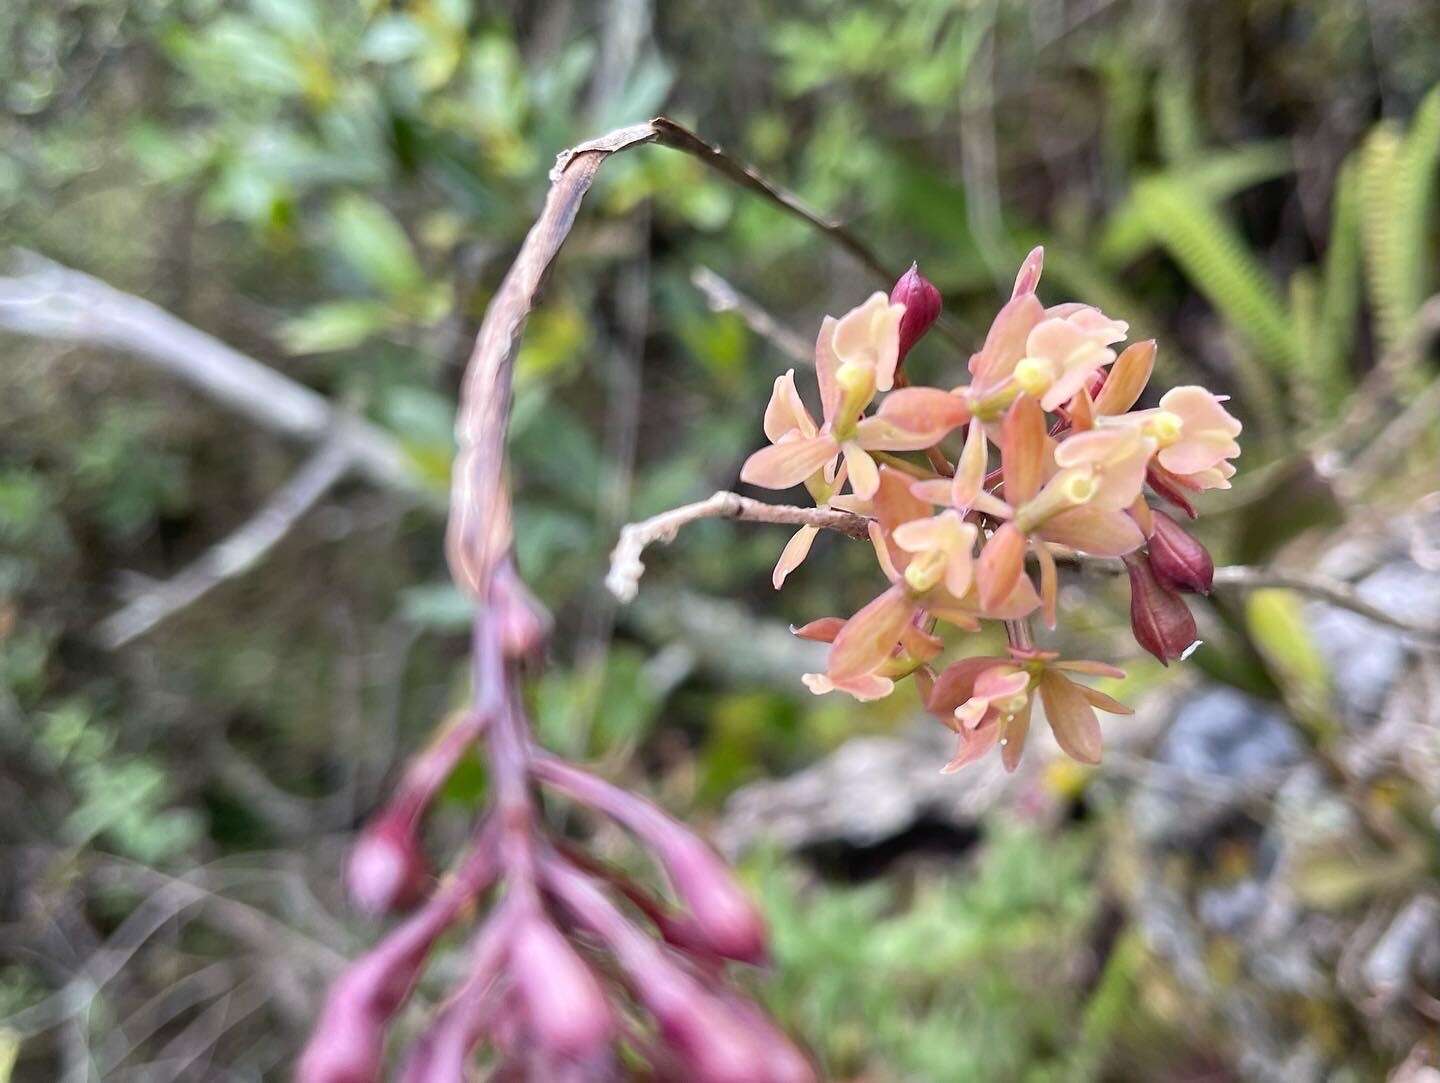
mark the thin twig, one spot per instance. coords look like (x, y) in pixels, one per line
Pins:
(626, 567)
(237, 554)
(1334, 591)
(721, 296)
(1398, 435)
(44, 299)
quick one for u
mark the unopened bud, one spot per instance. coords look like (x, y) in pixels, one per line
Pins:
(922, 306)
(522, 620)
(723, 913)
(1179, 560)
(386, 872)
(1159, 618)
(564, 1004)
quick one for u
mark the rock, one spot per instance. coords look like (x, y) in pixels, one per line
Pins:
(1366, 658)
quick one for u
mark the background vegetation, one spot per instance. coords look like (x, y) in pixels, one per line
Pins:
(335, 188)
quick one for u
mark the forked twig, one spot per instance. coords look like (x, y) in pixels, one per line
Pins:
(626, 567)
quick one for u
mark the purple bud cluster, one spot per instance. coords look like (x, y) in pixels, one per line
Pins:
(571, 955)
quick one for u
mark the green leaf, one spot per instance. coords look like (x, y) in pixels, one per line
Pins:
(372, 242)
(335, 325)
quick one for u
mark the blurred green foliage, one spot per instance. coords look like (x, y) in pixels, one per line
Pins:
(337, 188)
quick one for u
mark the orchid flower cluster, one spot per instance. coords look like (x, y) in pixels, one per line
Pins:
(1079, 466)
(577, 971)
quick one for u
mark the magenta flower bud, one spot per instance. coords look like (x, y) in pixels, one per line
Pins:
(1159, 617)
(723, 914)
(387, 872)
(1179, 560)
(922, 306)
(346, 1047)
(522, 622)
(564, 1004)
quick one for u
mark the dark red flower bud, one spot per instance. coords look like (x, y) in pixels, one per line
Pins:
(1178, 560)
(922, 306)
(1159, 617)
(386, 872)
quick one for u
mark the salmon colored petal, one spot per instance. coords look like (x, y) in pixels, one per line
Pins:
(1001, 564)
(823, 630)
(794, 553)
(971, 468)
(895, 500)
(1023, 443)
(1090, 530)
(1094, 669)
(918, 643)
(864, 474)
(913, 419)
(956, 683)
(1005, 342)
(1021, 602)
(1144, 517)
(935, 491)
(1108, 704)
(785, 411)
(1082, 411)
(1071, 717)
(1001, 682)
(1028, 277)
(788, 463)
(826, 363)
(973, 746)
(891, 558)
(1127, 379)
(1012, 736)
(870, 635)
(1194, 454)
(865, 687)
(1049, 582)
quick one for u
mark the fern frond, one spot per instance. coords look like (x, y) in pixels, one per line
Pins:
(1216, 177)
(1381, 231)
(1415, 203)
(1339, 299)
(1218, 263)
(1177, 121)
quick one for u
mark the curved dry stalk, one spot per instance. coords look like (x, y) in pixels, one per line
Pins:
(626, 567)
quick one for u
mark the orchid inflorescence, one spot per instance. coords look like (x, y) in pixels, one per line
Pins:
(1078, 464)
(577, 971)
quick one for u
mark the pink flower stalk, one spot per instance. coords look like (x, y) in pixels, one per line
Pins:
(1053, 391)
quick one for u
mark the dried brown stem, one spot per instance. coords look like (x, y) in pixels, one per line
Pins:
(479, 530)
(626, 567)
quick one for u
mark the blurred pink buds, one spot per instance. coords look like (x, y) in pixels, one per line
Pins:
(1159, 617)
(724, 917)
(922, 306)
(387, 871)
(566, 1008)
(1177, 559)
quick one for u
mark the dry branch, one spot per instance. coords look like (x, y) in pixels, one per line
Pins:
(237, 554)
(626, 567)
(44, 299)
(721, 296)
